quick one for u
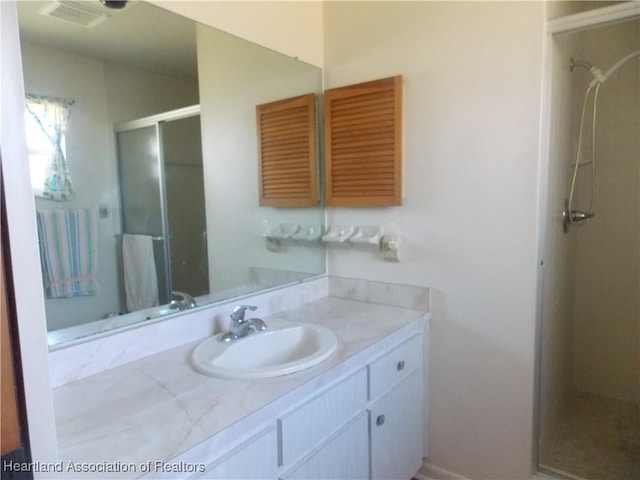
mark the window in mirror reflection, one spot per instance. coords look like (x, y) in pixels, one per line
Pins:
(46, 122)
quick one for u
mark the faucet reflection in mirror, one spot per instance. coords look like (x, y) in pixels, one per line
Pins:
(182, 301)
(118, 72)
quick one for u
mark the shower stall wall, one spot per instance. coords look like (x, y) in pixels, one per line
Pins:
(606, 346)
(589, 421)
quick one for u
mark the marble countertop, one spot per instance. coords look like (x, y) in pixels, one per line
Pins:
(156, 408)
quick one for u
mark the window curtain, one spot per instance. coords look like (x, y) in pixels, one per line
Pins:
(51, 114)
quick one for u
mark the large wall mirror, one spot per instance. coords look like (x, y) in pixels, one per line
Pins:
(159, 140)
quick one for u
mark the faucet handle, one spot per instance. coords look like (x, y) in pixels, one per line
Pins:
(178, 295)
(238, 313)
(181, 300)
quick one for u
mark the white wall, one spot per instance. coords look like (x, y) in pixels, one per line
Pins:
(133, 94)
(291, 27)
(235, 76)
(472, 85)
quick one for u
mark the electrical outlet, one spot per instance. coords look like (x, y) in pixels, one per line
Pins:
(273, 244)
(389, 249)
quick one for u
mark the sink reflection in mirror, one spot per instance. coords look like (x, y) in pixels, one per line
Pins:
(281, 349)
(119, 72)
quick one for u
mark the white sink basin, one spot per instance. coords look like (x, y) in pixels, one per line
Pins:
(281, 349)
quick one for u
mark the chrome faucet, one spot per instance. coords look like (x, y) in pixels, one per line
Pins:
(241, 327)
(181, 301)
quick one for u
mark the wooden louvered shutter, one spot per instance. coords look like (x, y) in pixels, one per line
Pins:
(363, 144)
(287, 147)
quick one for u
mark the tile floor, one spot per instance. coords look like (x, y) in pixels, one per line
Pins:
(598, 438)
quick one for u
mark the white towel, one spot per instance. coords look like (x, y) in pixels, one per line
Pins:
(140, 280)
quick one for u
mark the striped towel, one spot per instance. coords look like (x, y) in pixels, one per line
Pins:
(69, 252)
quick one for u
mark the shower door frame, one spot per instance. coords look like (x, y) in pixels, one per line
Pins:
(622, 12)
(157, 121)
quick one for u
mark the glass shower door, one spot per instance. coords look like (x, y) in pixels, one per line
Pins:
(162, 194)
(142, 196)
(186, 219)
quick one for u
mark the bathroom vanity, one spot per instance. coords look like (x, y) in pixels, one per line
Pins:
(366, 423)
(359, 414)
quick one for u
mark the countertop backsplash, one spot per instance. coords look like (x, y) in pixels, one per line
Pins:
(101, 353)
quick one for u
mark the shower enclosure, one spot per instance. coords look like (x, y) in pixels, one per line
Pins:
(162, 196)
(589, 403)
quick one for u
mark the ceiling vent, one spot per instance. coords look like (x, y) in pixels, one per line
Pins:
(75, 12)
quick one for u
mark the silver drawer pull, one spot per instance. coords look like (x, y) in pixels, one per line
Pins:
(380, 420)
(400, 365)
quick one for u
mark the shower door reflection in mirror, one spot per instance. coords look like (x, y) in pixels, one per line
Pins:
(162, 198)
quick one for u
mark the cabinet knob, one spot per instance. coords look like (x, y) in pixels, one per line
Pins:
(400, 365)
(380, 420)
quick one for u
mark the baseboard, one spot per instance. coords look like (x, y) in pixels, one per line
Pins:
(545, 476)
(431, 472)
(552, 472)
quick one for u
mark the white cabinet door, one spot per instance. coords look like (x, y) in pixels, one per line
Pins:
(397, 430)
(255, 459)
(302, 429)
(345, 456)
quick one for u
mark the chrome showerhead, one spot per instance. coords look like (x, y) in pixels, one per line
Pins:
(598, 76)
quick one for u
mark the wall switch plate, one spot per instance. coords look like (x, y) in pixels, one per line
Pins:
(103, 210)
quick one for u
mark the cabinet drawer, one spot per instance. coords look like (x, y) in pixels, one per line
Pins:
(389, 369)
(307, 426)
(345, 456)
